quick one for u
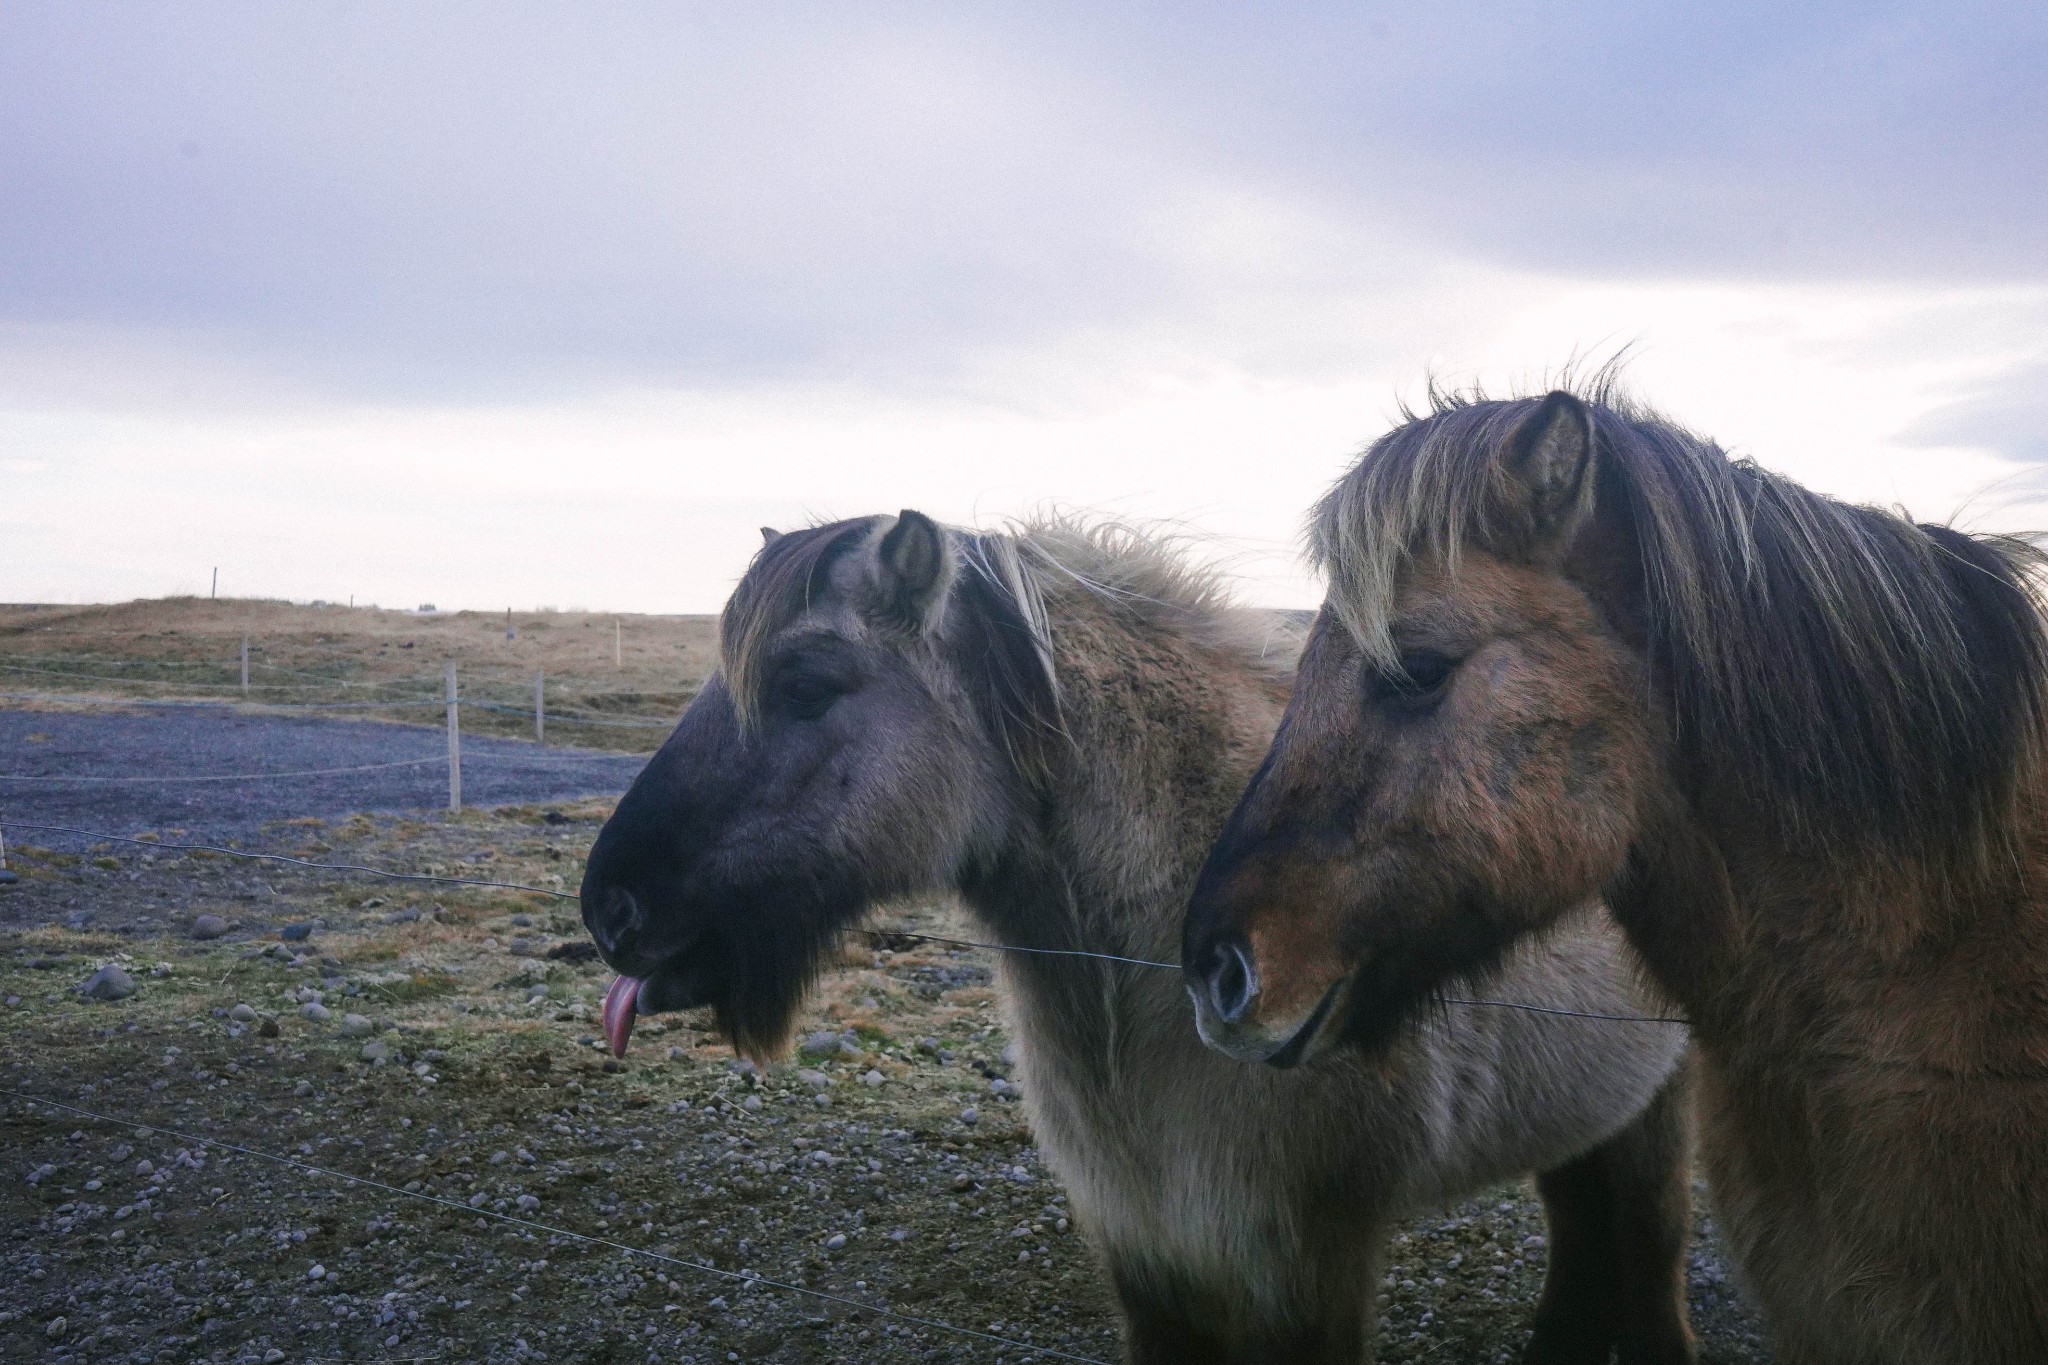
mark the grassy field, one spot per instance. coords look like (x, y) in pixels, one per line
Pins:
(474, 1074)
(612, 681)
(442, 1042)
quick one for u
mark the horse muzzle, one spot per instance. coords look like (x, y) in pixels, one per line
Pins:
(1231, 1017)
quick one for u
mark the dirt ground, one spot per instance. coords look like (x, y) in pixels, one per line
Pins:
(472, 1072)
(613, 681)
(443, 1041)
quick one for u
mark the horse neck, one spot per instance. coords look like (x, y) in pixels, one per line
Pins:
(1915, 956)
(1162, 732)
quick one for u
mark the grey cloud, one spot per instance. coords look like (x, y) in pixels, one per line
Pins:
(420, 200)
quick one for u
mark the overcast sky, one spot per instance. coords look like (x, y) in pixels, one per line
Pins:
(506, 304)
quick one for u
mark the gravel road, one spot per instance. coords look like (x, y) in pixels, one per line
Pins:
(124, 771)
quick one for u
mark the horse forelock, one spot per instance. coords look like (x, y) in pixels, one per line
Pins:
(789, 576)
(996, 625)
(1879, 682)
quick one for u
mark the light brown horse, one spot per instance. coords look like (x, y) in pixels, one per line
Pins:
(1570, 650)
(1053, 725)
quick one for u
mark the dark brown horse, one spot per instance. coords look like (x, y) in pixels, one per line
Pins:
(1571, 651)
(1053, 726)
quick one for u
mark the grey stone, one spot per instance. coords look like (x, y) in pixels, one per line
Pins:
(375, 1050)
(208, 926)
(527, 1203)
(822, 1045)
(817, 1080)
(317, 1012)
(356, 1026)
(836, 1241)
(872, 1078)
(970, 1116)
(295, 933)
(108, 983)
(243, 1014)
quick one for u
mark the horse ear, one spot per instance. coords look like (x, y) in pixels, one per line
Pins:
(769, 535)
(913, 568)
(1546, 467)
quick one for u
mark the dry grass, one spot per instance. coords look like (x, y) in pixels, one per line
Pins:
(621, 668)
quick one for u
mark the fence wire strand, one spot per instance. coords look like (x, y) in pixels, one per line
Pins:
(530, 1224)
(883, 934)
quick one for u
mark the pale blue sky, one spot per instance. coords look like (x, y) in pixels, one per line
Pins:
(516, 303)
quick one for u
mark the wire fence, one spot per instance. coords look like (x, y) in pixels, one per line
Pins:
(881, 935)
(294, 695)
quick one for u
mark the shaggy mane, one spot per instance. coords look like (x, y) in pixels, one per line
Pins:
(1875, 680)
(995, 618)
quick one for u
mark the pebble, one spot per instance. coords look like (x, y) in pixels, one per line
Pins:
(145, 1167)
(316, 1011)
(208, 926)
(318, 1272)
(409, 915)
(295, 933)
(356, 1026)
(970, 1116)
(58, 1326)
(836, 1241)
(272, 1356)
(108, 983)
(243, 1014)
(751, 1103)
(302, 1089)
(41, 1173)
(817, 1080)
(375, 1050)
(528, 1203)
(822, 1045)
(872, 1079)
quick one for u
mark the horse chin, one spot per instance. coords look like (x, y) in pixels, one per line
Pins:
(1382, 1007)
(681, 983)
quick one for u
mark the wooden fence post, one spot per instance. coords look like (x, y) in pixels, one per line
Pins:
(5, 875)
(540, 707)
(454, 744)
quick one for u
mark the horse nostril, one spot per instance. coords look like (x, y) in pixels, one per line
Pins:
(618, 926)
(1233, 981)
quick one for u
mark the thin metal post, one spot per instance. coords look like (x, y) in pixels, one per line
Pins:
(618, 644)
(454, 744)
(245, 665)
(214, 591)
(540, 706)
(510, 633)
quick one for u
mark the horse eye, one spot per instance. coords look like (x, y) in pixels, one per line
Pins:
(1418, 678)
(806, 695)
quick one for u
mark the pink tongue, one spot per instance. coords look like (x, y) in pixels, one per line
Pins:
(621, 1003)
